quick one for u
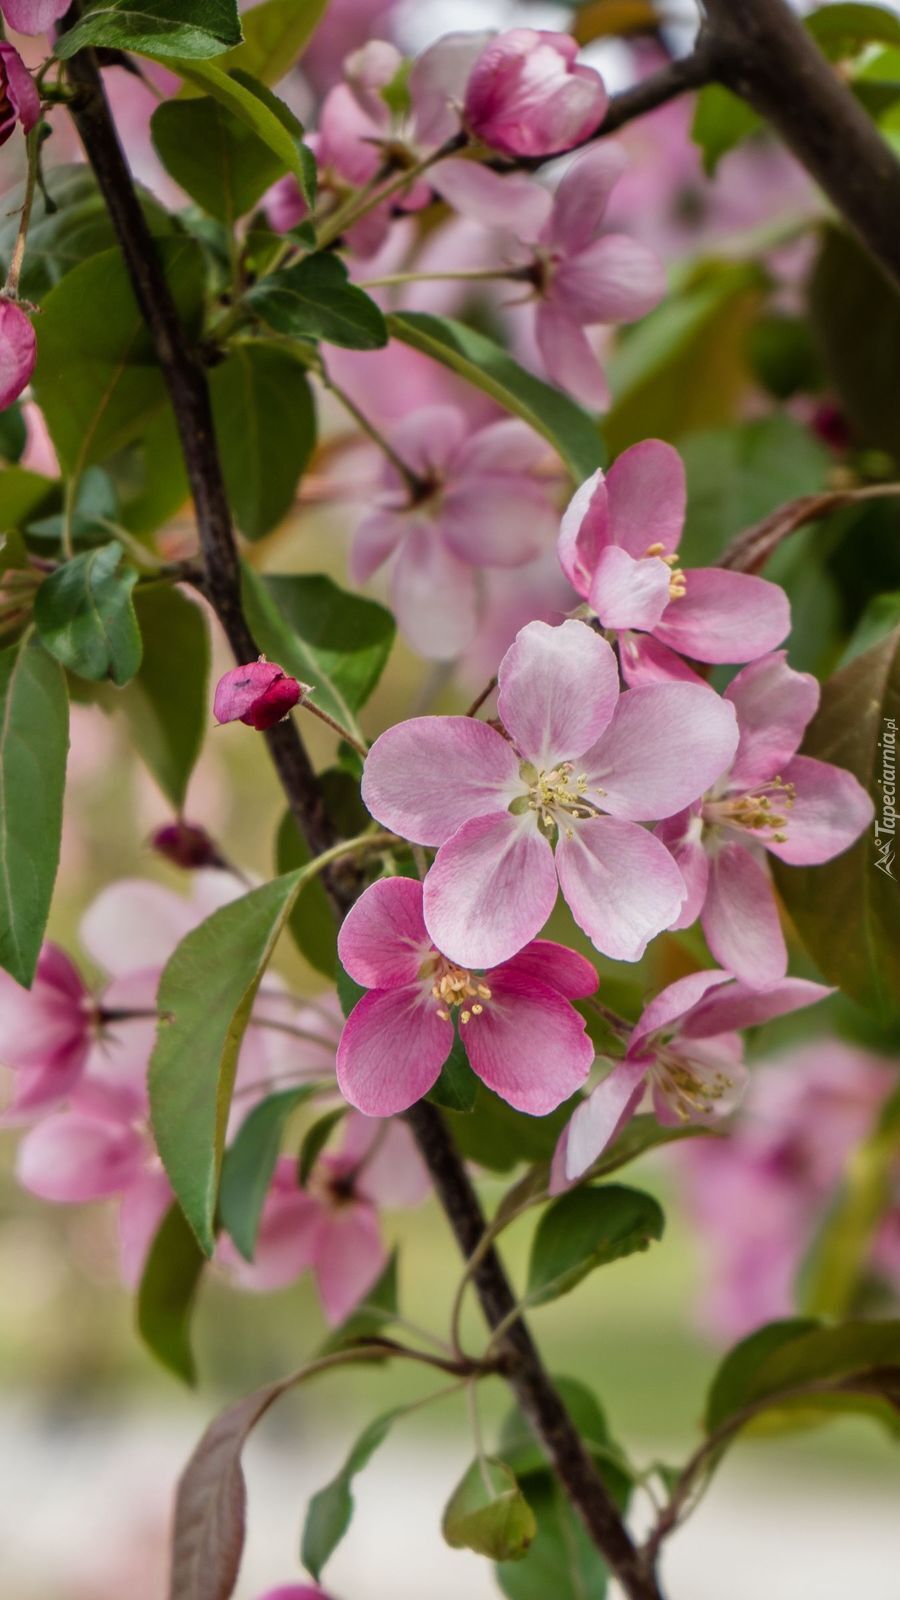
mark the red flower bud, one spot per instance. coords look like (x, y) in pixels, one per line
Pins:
(19, 99)
(186, 845)
(259, 694)
(18, 351)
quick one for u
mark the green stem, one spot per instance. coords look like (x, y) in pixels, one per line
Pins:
(336, 727)
(355, 210)
(475, 275)
(32, 146)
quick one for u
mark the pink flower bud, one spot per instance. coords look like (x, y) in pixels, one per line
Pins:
(18, 351)
(19, 99)
(259, 694)
(33, 16)
(186, 845)
(295, 1591)
(527, 96)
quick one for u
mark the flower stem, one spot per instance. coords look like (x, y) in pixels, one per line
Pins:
(475, 275)
(358, 208)
(336, 727)
(32, 148)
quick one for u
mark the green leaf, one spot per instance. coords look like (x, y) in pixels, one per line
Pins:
(331, 1509)
(489, 1514)
(215, 157)
(86, 618)
(844, 30)
(97, 379)
(856, 318)
(735, 1375)
(737, 476)
(34, 743)
(847, 911)
(562, 1561)
(194, 28)
(348, 990)
(457, 1087)
(314, 1141)
(22, 494)
(316, 300)
(275, 33)
(249, 1163)
(264, 114)
(266, 428)
(13, 433)
(588, 1228)
(842, 1250)
(205, 997)
(312, 921)
(167, 1292)
(520, 1449)
(166, 703)
(571, 431)
(497, 1137)
(721, 121)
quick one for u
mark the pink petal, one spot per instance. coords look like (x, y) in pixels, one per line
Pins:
(580, 201)
(141, 1210)
(774, 705)
(18, 349)
(741, 1006)
(621, 885)
(568, 356)
(434, 596)
(555, 966)
(558, 691)
(391, 1051)
(740, 917)
(391, 1173)
(38, 1088)
(49, 1021)
(428, 439)
(683, 836)
(511, 201)
(490, 890)
(290, 1236)
(258, 694)
(383, 940)
(666, 745)
(528, 1044)
(508, 448)
(647, 497)
(831, 809)
(350, 1258)
(615, 279)
(135, 925)
(437, 84)
(377, 537)
(673, 1003)
(714, 1065)
(598, 1119)
(69, 1158)
(526, 97)
(426, 777)
(629, 594)
(645, 661)
(584, 532)
(726, 616)
(33, 16)
(497, 521)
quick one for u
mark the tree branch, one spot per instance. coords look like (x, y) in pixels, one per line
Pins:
(188, 389)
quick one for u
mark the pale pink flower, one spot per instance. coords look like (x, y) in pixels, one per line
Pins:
(521, 1034)
(18, 349)
(46, 1032)
(686, 1047)
(332, 1226)
(582, 765)
(258, 694)
(476, 499)
(617, 546)
(527, 95)
(33, 16)
(801, 810)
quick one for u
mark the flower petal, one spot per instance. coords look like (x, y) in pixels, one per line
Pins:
(135, 925)
(568, 356)
(391, 1051)
(18, 341)
(647, 497)
(682, 835)
(629, 594)
(555, 966)
(141, 1210)
(529, 1045)
(739, 1006)
(69, 1158)
(383, 939)
(774, 705)
(645, 661)
(433, 595)
(584, 532)
(350, 1258)
(726, 616)
(490, 890)
(831, 809)
(290, 1236)
(426, 777)
(33, 16)
(673, 1003)
(583, 195)
(666, 745)
(621, 885)
(376, 538)
(558, 691)
(391, 1173)
(740, 917)
(599, 1117)
(615, 279)
(512, 201)
(497, 520)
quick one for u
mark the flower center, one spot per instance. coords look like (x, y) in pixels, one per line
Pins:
(454, 987)
(690, 1089)
(555, 795)
(678, 580)
(756, 812)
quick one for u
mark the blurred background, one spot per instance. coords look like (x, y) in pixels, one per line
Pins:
(92, 1433)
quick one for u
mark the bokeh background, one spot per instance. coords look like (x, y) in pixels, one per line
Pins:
(92, 1433)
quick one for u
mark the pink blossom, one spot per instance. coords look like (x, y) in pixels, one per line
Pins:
(18, 349)
(33, 16)
(259, 694)
(295, 1591)
(481, 499)
(46, 1032)
(332, 1227)
(518, 1028)
(186, 845)
(345, 26)
(758, 1198)
(686, 1045)
(527, 95)
(19, 99)
(617, 546)
(801, 810)
(582, 765)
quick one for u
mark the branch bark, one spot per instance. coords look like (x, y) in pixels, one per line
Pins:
(189, 393)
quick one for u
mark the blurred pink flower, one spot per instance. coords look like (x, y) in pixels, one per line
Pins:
(527, 96)
(295, 1591)
(46, 1032)
(32, 16)
(18, 348)
(19, 99)
(258, 694)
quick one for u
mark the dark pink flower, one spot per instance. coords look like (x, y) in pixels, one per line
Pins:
(33, 16)
(527, 95)
(558, 801)
(801, 810)
(295, 1591)
(617, 546)
(521, 1034)
(19, 99)
(186, 845)
(46, 1032)
(686, 1045)
(259, 694)
(18, 351)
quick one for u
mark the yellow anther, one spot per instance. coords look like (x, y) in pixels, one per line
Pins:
(444, 1015)
(477, 1010)
(465, 1016)
(484, 991)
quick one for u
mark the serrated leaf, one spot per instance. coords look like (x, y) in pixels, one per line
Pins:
(85, 615)
(249, 1163)
(166, 703)
(316, 300)
(34, 743)
(168, 1288)
(266, 429)
(214, 156)
(588, 1228)
(193, 28)
(331, 1509)
(489, 1514)
(571, 431)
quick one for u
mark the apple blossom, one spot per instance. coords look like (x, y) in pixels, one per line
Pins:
(801, 810)
(33, 16)
(19, 99)
(519, 1031)
(618, 547)
(18, 351)
(686, 1046)
(528, 96)
(582, 765)
(259, 694)
(295, 1591)
(46, 1031)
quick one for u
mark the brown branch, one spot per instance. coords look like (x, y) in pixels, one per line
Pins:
(750, 549)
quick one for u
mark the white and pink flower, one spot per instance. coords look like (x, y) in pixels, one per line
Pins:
(527, 94)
